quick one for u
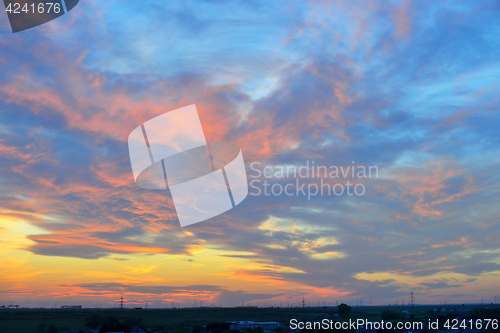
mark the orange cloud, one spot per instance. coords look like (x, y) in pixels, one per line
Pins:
(425, 187)
(463, 242)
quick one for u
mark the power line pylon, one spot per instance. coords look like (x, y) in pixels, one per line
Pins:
(412, 299)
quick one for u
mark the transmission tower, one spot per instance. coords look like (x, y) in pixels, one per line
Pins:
(412, 299)
(121, 302)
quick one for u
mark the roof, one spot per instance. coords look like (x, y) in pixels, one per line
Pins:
(253, 322)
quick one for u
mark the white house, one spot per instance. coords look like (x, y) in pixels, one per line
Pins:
(439, 310)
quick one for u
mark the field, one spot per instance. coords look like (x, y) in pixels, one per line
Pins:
(187, 319)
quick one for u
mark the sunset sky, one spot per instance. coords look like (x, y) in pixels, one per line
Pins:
(411, 87)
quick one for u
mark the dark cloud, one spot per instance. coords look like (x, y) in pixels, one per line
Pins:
(159, 290)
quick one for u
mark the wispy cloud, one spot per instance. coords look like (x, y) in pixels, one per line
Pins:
(407, 86)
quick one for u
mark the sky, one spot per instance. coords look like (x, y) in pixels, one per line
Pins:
(408, 87)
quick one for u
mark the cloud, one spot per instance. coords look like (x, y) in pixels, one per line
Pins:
(406, 86)
(132, 293)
